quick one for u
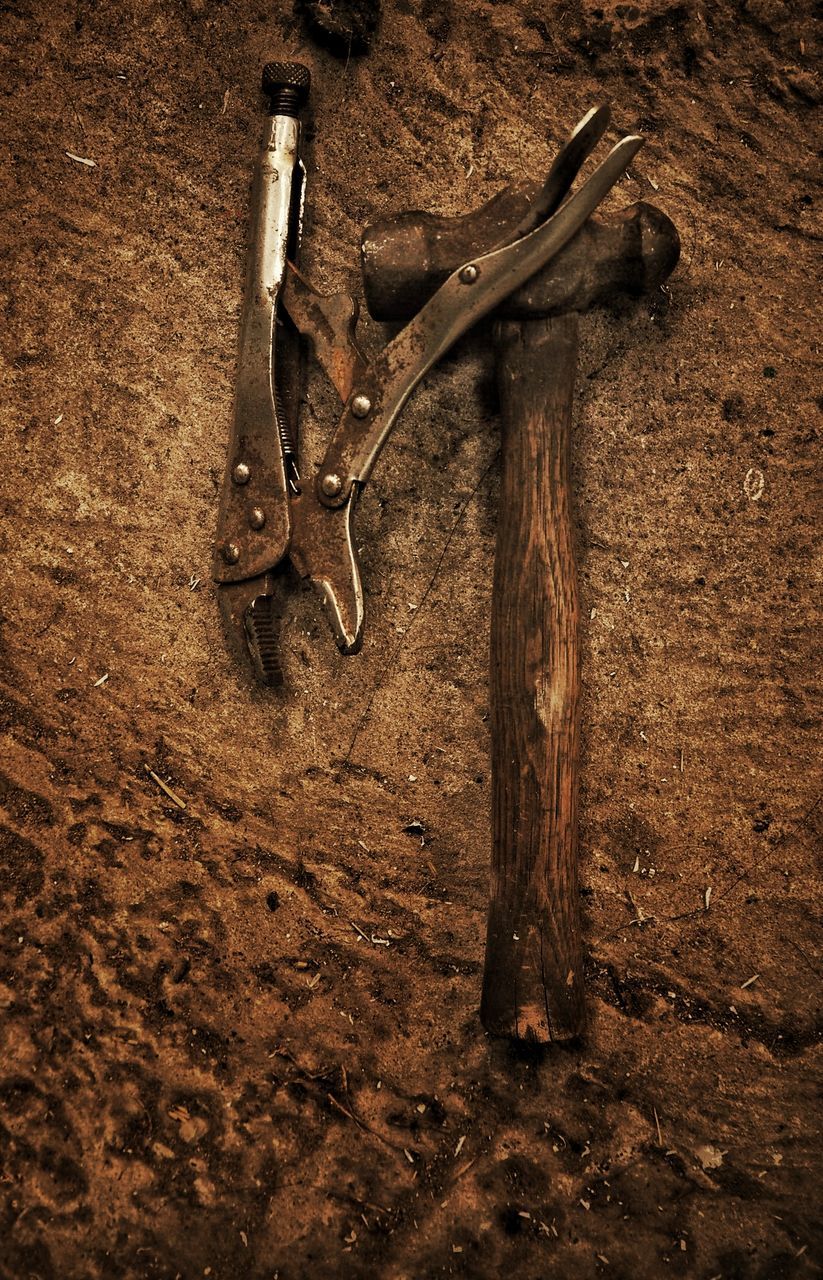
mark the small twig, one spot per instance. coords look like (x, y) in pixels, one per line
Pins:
(640, 917)
(361, 1124)
(181, 804)
(347, 1195)
(657, 1124)
(797, 947)
(344, 1110)
(90, 164)
(806, 816)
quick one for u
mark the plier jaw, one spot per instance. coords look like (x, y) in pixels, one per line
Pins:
(267, 517)
(252, 626)
(323, 550)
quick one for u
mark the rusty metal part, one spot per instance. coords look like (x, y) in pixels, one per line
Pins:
(630, 253)
(321, 546)
(458, 304)
(328, 321)
(262, 626)
(322, 550)
(247, 609)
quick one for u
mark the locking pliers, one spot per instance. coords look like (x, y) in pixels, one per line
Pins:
(269, 515)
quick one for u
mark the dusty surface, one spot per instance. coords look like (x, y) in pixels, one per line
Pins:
(205, 1069)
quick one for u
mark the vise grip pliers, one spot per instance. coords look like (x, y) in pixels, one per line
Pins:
(269, 514)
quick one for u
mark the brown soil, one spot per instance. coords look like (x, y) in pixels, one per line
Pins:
(206, 1068)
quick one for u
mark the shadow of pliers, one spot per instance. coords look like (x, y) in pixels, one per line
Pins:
(267, 521)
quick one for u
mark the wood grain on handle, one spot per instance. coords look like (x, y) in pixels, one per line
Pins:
(533, 981)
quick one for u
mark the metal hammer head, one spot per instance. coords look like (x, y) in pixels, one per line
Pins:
(406, 258)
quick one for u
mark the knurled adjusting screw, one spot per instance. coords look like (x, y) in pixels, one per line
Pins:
(286, 85)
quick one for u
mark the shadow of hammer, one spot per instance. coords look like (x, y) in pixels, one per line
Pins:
(533, 979)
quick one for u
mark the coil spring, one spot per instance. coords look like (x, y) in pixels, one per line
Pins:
(287, 443)
(286, 437)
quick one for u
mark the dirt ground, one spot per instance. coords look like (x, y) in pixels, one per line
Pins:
(242, 1039)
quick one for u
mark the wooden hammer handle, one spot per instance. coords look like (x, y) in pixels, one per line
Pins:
(533, 981)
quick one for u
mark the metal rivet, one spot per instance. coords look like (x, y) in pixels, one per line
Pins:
(241, 473)
(469, 274)
(331, 485)
(231, 553)
(360, 405)
(257, 517)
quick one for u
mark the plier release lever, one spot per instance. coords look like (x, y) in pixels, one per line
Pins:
(268, 516)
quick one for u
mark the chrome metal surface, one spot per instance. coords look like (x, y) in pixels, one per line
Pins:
(563, 172)
(258, 428)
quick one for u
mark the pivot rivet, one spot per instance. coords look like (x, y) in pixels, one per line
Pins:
(331, 485)
(360, 405)
(231, 553)
(257, 517)
(469, 274)
(241, 473)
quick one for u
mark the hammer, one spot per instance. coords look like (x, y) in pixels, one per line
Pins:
(533, 978)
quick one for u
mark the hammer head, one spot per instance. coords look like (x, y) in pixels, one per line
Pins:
(405, 259)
